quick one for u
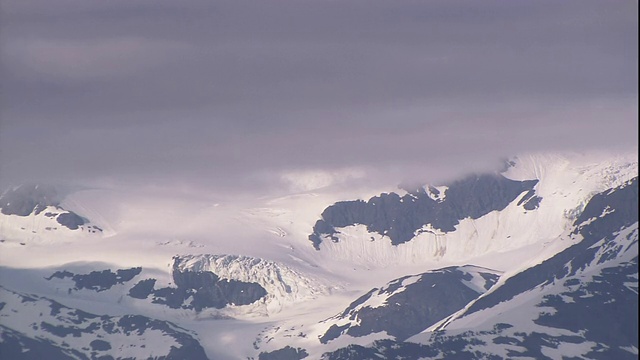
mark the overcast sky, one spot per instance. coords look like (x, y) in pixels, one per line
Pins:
(239, 95)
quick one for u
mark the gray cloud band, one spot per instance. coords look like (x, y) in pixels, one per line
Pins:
(222, 93)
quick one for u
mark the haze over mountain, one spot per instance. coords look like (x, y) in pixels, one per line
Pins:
(318, 180)
(201, 97)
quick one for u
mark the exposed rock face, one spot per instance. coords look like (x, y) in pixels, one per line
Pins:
(33, 199)
(16, 345)
(70, 220)
(601, 219)
(142, 289)
(214, 279)
(98, 280)
(208, 290)
(581, 301)
(54, 331)
(409, 305)
(27, 199)
(286, 353)
(199, 290)
(400, 217)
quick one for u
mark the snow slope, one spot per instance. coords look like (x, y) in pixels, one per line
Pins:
(265, 241)
(64, 333)
(581, 302)
(565, 185)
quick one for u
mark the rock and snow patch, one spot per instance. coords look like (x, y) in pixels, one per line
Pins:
(565, 186)
(408, 305)
(72, 333)
(284, 284)
(50, 224)
(512, 238)
(437, 193)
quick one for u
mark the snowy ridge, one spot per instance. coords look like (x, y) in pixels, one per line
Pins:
(358, 295)
(471, 276)
(523, 310)
(581, 302)
(76, 334)
(566, 184)
(43, 227)
(284, 285)
(495, 232)
(397, 310)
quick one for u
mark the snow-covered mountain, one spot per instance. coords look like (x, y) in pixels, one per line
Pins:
(580, 303)
(538, 260)
(32, 213)
(405, 306)
(35, 327)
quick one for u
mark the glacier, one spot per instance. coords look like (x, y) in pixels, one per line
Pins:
(496, 265)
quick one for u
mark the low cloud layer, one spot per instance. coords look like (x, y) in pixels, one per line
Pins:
(241, 95)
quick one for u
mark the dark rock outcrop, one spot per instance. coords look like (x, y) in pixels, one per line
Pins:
(98, 332)
(70, 220)
(400, 218)
(98, 280)
(199, 290)
(411, 303)
(29, 198)
(585, 294)
(286, 353)
(142, 289)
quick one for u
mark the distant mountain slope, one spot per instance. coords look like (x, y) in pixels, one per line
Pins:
(389, 278)
(582, 302)
(34, 327)
(274, 285)
(535, 200)
(32, 212)
(28, 198)
(406, 306)
(400, 217)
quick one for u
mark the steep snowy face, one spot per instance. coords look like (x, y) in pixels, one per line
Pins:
(401, 308)
(31, 213)
(407, 306)
(561, 232)
(400, 218)
(34, 327)
(274, 285)
(535, 200)
(605, 218)
(582, 302)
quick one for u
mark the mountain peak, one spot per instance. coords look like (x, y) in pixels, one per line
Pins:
(28, 198)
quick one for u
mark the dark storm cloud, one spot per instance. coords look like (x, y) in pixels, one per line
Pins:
(224, 93)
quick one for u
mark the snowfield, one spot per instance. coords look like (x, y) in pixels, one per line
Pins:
(265, 242)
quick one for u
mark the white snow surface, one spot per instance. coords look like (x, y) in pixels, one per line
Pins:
(41, 228)
(521, 310)
(268, 237)
(29, 317)
(566, 183)
(380, 296)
